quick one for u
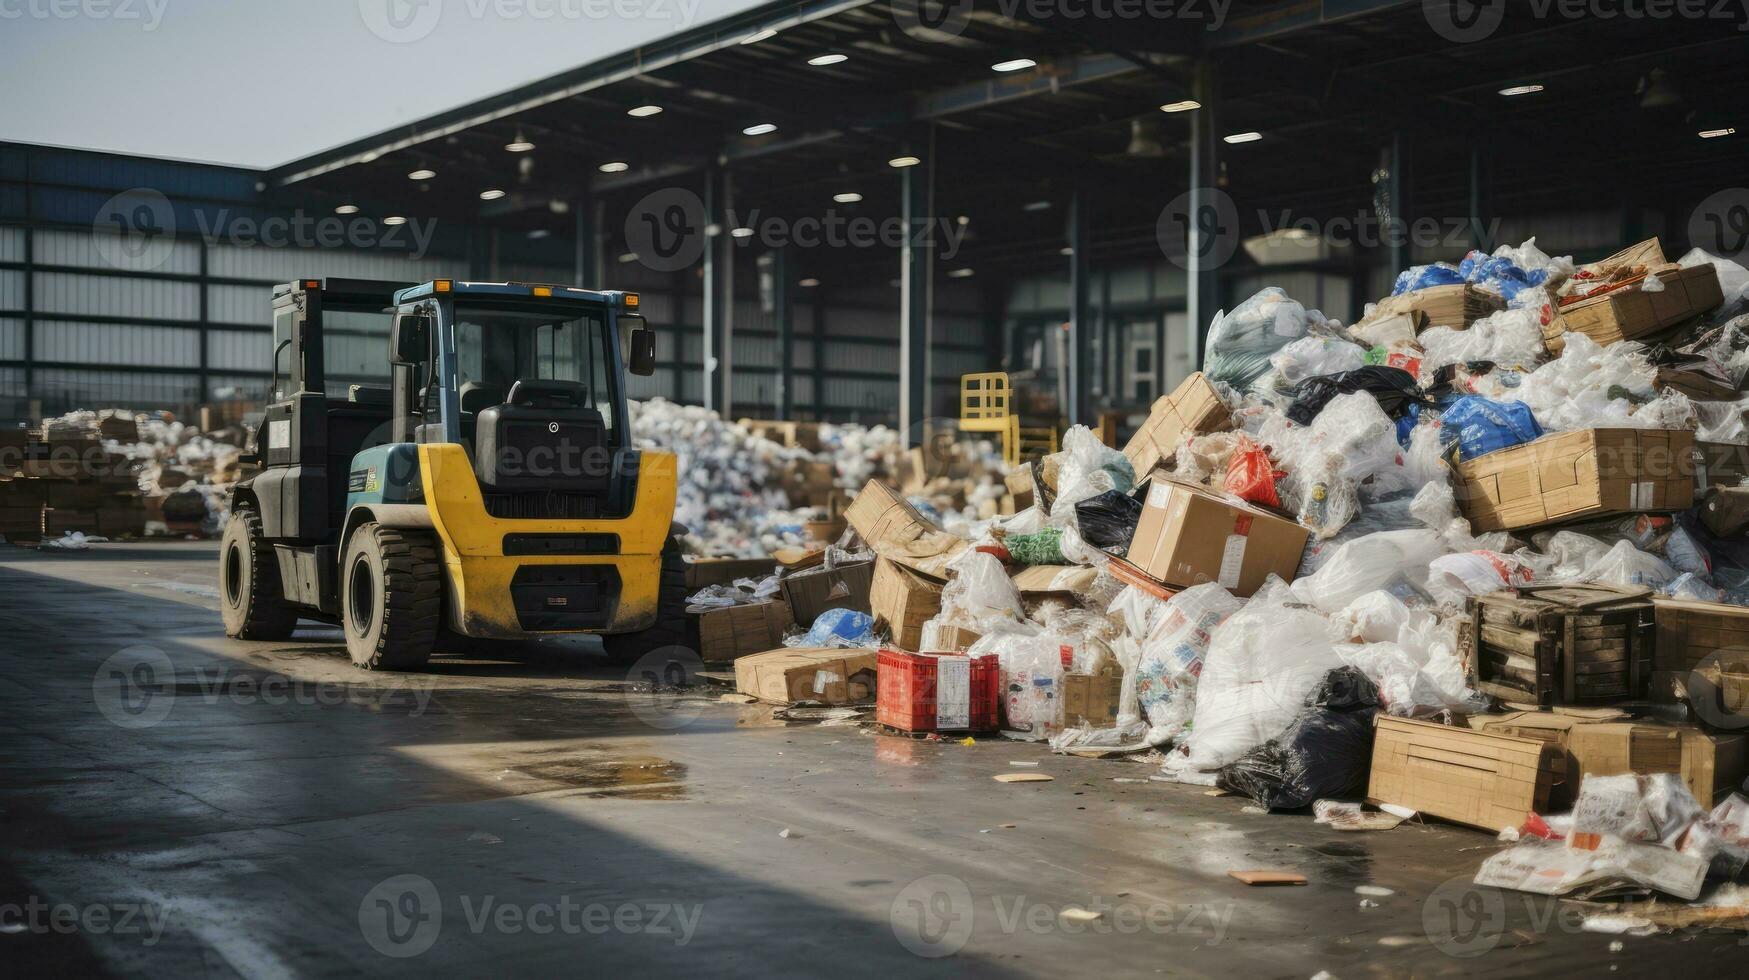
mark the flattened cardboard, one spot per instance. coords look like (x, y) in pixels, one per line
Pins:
(1456, 305)
(897, 532)
(1479, 779)
(1038, 581)
(902, 601)
(731, 632)
(814, 590)
(1194, 408)
(829, 676)
(1583, 473)
(1188, 536)
(1631, 312)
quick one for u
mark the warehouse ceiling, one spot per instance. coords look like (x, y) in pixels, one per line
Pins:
(1327, 85)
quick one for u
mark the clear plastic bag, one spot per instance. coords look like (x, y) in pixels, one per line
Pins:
(1511, 338)
(1404, 688)
(979, 594)
(1032, 681)
(1088, 468)
(1241, 342)
(1351, 440)
(1309, 357)
(1375, 561)
(1172, 652)
(1261, 664)
(1453, 578)
(1376, 617)
(1627, 566)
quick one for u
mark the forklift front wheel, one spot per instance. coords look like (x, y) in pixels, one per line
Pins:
(251, 600)
(391, 597)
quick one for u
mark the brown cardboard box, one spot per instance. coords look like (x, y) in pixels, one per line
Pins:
(829, 676)
(1041, 581)
(1629, 313)
(1091, 700)
(1019, 496)
(814, 590)
(1565, 476)
(1194, 408)
(701, 572)
(1456, 306)
(952, 639)
(897, 532)
(806, 482)
(1713, 765)
(902, 601)
(1188, 536)
(731, 632)
(798, 435)
(1691, 633)
(1480, 779)
(1597, 748)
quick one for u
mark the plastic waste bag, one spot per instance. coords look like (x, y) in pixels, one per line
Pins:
(1627, 566)
(1326, 750)
(1032, 681)
(1375, 561)
(1109, 519)
(1312, 356)
(1173, 647)
(1480, 426)
(1250, 475)
(1088, 468)
(1241, 342)
(979, 593)
(1261, 664)
(1041, 548)
(1511, 338)
(1453, 578)
(837, 628)
(1393, 388)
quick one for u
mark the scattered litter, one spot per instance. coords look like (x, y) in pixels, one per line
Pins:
(788, 833)
(1079, 916)
(1022, 777)
(1022, 762)
(1269, 877)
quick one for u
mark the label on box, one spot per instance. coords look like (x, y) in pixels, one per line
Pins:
(1640, 496)
(824, 679)
(1159, 494)
(1232, 561)
(953, 692)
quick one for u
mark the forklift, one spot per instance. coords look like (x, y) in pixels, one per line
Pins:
(488, 494)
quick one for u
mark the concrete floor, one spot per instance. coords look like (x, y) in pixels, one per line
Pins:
(266, 809)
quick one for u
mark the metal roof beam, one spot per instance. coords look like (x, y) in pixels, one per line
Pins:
(1047, 78)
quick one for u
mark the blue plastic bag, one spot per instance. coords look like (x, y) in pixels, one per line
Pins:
(840, 628)
(1425, 276)
(1481, 425)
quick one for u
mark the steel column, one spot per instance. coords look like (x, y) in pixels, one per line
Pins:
(1202, 298)
(1080, 368)
(915, 262)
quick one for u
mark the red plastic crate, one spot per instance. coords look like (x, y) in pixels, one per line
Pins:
(905, 692)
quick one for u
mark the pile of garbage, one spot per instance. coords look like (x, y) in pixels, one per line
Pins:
(1285, 582)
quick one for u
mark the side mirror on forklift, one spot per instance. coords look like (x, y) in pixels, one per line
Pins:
(410, 342)
(642, 359)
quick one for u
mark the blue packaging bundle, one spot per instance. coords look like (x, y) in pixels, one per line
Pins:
(839, 628)
(1481, 425)
(1426, 276)
(1495, 273)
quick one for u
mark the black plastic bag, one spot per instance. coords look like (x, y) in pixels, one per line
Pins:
(1109, 519)
(1325, 753)
(1394, 388)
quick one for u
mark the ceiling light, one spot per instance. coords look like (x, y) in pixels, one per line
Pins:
(346, 209)
(759, 129)
(822, 60)
(758, 36)
(959, 274)
(1707, 134)
(422, 174)
(539, 233)
(394, 219)
(519, 145)
(644, 110)
(848, 197)
(1066, 250)
(1521, 90)
(963, 220)
(1185, 106)
(1251, 137)
(1036, 206)
(491, 195)
(808, 283)
(742, 232)
(903, 162)
(1014, 64)
(627, 257)
(614, 167)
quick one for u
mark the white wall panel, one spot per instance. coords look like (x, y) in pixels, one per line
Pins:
(11, 340)
(248, 305)
(861, 357)
(117, 344)
(11, 289)
(755, 351)
(104, 250)
(118, 296)
(240, 350)
(12, 382)
(11, 244)
(62, 390)
(285, 264)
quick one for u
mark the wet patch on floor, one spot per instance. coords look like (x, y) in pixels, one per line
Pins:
(637, 778)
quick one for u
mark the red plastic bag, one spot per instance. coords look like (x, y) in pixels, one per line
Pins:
(1250, 475)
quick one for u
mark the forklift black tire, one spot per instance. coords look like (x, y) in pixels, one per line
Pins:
(251, 599)
(391, 597)
(670, 629)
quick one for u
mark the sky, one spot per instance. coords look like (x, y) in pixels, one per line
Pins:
(258, 83)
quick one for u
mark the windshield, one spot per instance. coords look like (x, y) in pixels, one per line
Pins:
(495, 348)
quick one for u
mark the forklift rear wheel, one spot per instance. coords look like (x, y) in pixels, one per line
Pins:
(391, 597)
(251, 600)
(670, 629)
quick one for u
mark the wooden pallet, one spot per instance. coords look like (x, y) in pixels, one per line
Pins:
(1560, 645)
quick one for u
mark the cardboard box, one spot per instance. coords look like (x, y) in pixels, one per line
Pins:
(1045, 581)
(1597, 748)
(797, 435)
(1584, 473)
(829, 676)
(806, 482)
(702, 572)
(897, 532)
(1456, 306)
(1194, 408)
(1629, 312)
(1690, 633)
(1481, 779)
(1713, 765)
(731, 632)
(812, 591)
(1188, 536)
(1091, 700)
(1020, 495)
(952, 639)
(902, 600)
